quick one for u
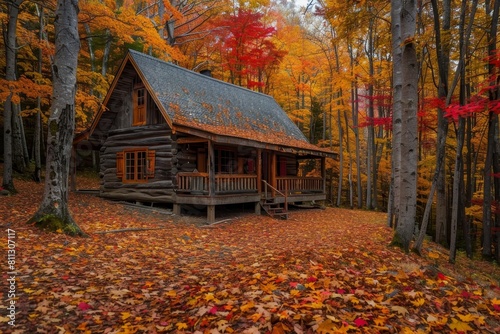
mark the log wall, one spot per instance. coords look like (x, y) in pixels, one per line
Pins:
(161, 187)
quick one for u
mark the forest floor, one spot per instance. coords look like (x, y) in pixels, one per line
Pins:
(320, 271)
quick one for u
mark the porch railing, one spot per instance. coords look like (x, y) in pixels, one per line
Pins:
(295, 184)
(235, 183)
(198, 183)
(192, 182)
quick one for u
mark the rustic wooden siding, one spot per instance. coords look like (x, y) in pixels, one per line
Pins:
(160, 188)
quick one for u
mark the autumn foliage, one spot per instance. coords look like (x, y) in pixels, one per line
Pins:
(321, 271)
(247, 48)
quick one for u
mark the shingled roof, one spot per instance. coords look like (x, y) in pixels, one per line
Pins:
(192, 100)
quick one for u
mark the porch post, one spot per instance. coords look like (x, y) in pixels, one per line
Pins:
(259, 170)
(211, 214)
(211, 182)
(273, 172)
(211, 169)
(323, 173)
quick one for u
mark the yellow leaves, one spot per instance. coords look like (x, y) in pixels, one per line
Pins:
(255, 317)
(380, 321)
(401, 275)
(245, 307)
(310, 285)
(181, 325)
(433, 255)
(269, 288)
(418, 302)
(211, 294)
(459, 325)
(4, 319)
(437, 320)
(314, 305)
(171, 293)
(466, 317)
(327, 327)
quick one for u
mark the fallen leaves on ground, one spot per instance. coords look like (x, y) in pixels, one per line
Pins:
(321, 271)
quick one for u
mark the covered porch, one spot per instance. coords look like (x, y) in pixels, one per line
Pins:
(225, 174)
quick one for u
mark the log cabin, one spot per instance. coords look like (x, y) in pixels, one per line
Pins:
(170, 135)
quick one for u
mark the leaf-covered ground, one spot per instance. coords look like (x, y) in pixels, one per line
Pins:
(321, 271)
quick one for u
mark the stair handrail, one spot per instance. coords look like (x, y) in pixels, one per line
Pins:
(266, 184)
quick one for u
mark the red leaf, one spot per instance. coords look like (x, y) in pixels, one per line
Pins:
(83, 306)
(466, 294)
(360, 322)
(442, 277)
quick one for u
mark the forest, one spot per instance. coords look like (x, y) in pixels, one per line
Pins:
(331, 66)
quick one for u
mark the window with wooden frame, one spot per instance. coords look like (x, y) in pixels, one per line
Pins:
(225, 161)
(137, 165)
(140, 104)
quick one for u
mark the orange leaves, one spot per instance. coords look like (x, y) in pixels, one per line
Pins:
(334, 274)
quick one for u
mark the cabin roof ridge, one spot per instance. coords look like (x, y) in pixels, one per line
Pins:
(205, 77)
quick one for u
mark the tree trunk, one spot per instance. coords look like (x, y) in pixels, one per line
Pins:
(107, 51)
(10, 75)
(397, 84)
(457, 188)
(490, 162)
(493, 96)
(38, 122)
(443, 54)
(438, 179)
(18, 148)
(348, 149)
(53, 212)
(358, 149)
(409, 139)
(341, 158)
(371, 163)
(355, 129)
(457, 201)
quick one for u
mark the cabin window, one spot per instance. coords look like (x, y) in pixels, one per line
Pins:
(225, 161)
(135, 165)
(140, 98)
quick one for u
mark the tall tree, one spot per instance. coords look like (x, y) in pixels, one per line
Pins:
(438, 182)
(247, 47)
(494, 94)
(409, 71)
(394, 197)
(10, 76)
(53, 212)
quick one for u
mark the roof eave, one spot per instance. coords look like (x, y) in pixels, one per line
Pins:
(225, 139)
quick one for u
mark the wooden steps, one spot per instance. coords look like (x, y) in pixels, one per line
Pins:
(274, 209)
